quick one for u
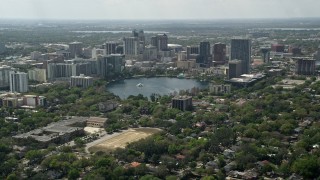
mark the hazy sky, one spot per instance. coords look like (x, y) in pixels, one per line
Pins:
(158, 9)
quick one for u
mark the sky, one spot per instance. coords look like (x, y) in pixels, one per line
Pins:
(157, 9)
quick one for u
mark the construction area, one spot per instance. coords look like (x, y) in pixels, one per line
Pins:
(120, 140)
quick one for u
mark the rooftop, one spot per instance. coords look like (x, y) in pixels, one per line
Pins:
(54, 130)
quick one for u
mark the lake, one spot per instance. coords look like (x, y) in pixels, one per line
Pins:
(158, 85)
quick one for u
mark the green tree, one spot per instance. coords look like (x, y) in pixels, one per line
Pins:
(73, 174)
(35, 156)
(149, 177)
(307, 166)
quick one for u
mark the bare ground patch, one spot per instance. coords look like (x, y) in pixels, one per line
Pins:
(123, 139)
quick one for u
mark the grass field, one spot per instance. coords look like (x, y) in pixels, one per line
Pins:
(123, 139)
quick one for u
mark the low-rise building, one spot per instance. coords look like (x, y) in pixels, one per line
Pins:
(246, 79)
(189, 64)
(11, 102)
(15, 100)
(57, 132)
(34, 100)
(96, 122)
(275, 72)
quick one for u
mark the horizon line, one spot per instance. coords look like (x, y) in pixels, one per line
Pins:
(155, 19)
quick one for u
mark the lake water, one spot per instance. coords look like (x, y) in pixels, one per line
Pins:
(159, 85)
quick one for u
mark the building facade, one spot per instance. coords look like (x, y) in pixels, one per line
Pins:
(183, 103)
(305, 66)
(131, 46)
(2, 48)
(75, 49)
(219, 53)
(18, 82)
(241, 50)
(265, 54)
(39, 75)
(150, 53)
(34, 100)
(5, 76)
(277, 48)
(160, 41)
(139, 34)
(111, 65)
(204, 59)
(235, 69)
(68, 69)
(81, 81)
(220, 88)
(110, 47)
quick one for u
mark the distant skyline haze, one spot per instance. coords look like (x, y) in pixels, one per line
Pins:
(157, 9)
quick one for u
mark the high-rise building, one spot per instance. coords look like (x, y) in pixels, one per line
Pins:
(98, 52)
(139, 34)
(204, 59)
(141, 40)
(5, 76)
(219, 53)
(160, 41)
(241, 50)
(235, 69)
(204, 49)
(81, 81)
(18, 82)
(150, 53)
(2, 48)
(110, 47)
(182, 56)
(68, 69)
(111, 65)
(39, 75)
(35, 55)
(296, 51)
(131, 46)
(120, 49)
(277, 47)
(265, 52)
(305, 66)
(192, 51)
(75, 49)
(87, 52)
(183, 103)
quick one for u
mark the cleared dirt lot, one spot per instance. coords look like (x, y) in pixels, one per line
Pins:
(121, 140)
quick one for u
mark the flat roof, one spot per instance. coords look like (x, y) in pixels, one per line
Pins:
(97, 119)
(54, 130)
